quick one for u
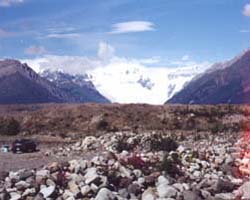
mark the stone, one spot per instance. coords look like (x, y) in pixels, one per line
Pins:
(224, 186)
(14, 176)
(77, 178)
(105, 194)
(224, 196)
(15, 196)
(67, 194)
(197, 174)
(163, 180)
(22, 185)
(53, 167)
(73, 188)
(74, 166)
(166, 191)
(43, 173)
(23, 175)
(148, 194)
(191, 195)
(4, 195)
(29, 191)
(47, 191)
(137, 173)
(179, 187)
(85, 190)
(124, 193)
(244, 191)
(125, 172)
(134, 189)
(90, 143)
(205, 194)
(39, 196)
(50, 182)
(90, 175)
(181, 149)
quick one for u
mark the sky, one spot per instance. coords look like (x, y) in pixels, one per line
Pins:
(159, 32)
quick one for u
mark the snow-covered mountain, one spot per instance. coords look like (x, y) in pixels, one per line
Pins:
(77, 86)
(139, 84)
(125, 80)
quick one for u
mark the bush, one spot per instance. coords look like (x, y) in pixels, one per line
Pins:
(9, 126)
(160, 143)
(122, 144)
(102, 125)
(170, 165)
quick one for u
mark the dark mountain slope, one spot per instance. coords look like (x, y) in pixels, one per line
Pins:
(78, 86)
(224, 83)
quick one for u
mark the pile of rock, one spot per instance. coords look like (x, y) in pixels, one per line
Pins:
(142, 173)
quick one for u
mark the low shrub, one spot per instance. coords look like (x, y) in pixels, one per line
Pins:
(160, 143)
(170, 165)
(122, 144)
(102, 125)
(9, 126)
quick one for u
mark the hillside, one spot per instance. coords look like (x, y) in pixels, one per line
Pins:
(224, 83)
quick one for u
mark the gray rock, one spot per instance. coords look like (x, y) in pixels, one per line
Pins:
(244, 191)
(85, 190)
(90, 175)
(105, 194)
(224, 196)
(134, 189)
(39, 197)
(148, 194)
(166, 191)
(4, 195)
(29, 191)
(224, 186)
(15, 196)
(124, 193)
(43, 173)
(23, 175)
(191, 195)
(137, 172)
(22, 185)
(73, 188)
(47, 191)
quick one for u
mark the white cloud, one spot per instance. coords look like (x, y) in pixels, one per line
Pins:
(185, 58)
(246, 10)
(152, 60)
(64, 35)
(69, 64)
(35, 50)
(244, 31)
(105, 51)
(132, 26)
(7, 3)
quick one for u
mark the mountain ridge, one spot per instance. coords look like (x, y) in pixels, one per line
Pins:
(226, 82)
(20, 84)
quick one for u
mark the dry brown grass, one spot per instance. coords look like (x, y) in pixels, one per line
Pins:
(86, 119)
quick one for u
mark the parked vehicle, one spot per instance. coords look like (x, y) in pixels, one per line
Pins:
(5, 148)
(23, 146)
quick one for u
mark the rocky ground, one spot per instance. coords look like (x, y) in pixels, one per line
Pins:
(147, 166)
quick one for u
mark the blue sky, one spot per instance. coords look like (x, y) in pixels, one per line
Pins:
(201, 30)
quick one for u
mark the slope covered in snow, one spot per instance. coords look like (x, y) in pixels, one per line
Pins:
(124, 80)
(135, 83)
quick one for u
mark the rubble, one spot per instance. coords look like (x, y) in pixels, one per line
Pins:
(139, 171)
